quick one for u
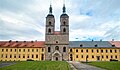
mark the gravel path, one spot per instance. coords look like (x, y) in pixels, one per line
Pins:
(81, 66)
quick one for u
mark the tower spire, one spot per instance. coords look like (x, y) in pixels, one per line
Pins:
(50, 9)
(64, 9)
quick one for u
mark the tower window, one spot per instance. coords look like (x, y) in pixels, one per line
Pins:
(64, 23)
(64, 49)
(56, 41)
(56, 48)
(49, 30)
(64, 30)
(49, 23)
(49, 49)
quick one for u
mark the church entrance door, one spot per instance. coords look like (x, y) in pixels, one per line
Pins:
(56, 56)
(57, 59)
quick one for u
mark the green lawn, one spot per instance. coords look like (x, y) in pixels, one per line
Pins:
(38, 65)
(107, 65)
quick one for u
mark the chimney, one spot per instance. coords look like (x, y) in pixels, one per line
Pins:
(112, 39)
(10, 41)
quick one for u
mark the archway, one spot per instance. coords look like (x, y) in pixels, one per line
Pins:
(57, 56)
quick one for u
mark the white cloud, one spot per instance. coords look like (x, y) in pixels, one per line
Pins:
(25, 20)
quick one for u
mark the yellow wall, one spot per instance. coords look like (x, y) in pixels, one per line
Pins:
(96, 55)
(22, 53)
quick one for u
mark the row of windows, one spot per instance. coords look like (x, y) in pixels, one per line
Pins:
(50, 23)
(96, 50)
(57, 48)
(50, 30)
(20, 56)
(94, 56)
(28, 50)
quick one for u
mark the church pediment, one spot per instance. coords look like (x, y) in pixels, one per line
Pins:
(56, 53)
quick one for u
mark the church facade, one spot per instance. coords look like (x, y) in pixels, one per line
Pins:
(57, 42)
(57, 46)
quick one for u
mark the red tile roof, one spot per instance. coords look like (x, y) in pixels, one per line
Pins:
(57, 32)
(116, 43)
(22, 44)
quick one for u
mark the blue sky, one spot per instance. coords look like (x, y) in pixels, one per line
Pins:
(89, 19)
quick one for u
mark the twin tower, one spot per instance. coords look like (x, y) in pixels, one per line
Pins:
(57, 42)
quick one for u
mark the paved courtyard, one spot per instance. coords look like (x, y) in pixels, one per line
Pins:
(81, 66)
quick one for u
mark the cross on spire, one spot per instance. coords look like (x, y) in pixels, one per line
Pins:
(50, 9)
(64, 9)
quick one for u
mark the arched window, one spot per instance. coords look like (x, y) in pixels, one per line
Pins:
(56, 41)
(64, 30)
(49, 30)
(64, 23)
(64, 49)
(49, 49)
(56, 48)
(49, 23)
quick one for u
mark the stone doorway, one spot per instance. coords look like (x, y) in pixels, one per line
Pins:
(57, 59)
(56, 56)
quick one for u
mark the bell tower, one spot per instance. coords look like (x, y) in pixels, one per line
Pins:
(64, 22)
(50, 22)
